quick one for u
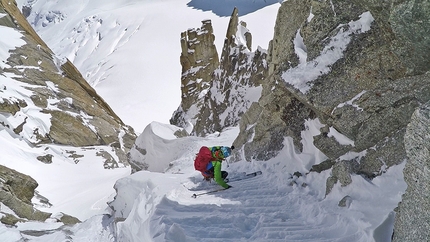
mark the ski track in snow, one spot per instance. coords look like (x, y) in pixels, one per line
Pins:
(274, 206)
(265, 213)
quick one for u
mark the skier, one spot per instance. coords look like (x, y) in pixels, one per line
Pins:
(209, 162)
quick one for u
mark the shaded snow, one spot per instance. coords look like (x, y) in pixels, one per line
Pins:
(340, 138)
(300, 48)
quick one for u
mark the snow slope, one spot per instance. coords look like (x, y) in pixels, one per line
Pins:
(276, 206)
(57, 181)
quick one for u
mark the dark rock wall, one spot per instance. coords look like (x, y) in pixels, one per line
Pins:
(413, 216)
(16, 192)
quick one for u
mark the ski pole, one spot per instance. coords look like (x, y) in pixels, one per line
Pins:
(199, 194)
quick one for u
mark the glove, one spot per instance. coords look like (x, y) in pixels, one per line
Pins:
(232, 147)
(229, 187)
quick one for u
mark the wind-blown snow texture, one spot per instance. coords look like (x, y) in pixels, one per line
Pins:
(275, 206)
(114, 44)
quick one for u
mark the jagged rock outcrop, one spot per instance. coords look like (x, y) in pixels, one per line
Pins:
(55, 90)
(412, 219)
(236, 83)
(199, 58)
(231, 88)
(16, 192)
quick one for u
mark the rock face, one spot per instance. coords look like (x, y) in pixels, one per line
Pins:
(368, 93)
(412, 220)
(56, 90)
(199, 59)
(362, 69)
(224, 93)
(16, 192)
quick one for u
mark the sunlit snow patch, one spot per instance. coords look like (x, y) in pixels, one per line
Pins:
(31, 119)
(10, 39)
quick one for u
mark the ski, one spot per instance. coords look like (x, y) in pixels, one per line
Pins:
(234, 179)
(247, 176)
(204, 193)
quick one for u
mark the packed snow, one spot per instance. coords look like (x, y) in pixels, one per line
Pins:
(129, 50)
(276, 206)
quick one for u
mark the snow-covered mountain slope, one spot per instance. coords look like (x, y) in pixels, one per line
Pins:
(76, 30)
(37, 111)
(79, 189)
(129, 50)
(276, 206)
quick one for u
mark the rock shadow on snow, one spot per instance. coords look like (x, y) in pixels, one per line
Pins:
(223, 8)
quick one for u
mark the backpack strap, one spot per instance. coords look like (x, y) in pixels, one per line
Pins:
(217, 153)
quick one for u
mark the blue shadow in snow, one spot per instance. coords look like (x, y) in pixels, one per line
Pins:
(224, 8)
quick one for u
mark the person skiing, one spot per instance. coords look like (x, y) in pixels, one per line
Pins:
(209, 161)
